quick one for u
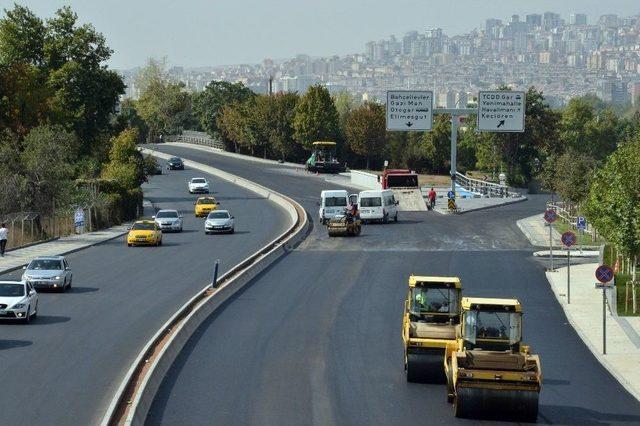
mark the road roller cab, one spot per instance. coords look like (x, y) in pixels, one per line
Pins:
(431, 314)
(490, 373)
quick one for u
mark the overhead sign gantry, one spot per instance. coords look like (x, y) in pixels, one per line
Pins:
(498, 111)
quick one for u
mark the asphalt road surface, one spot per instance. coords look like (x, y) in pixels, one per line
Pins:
(316, 339)
(64, 367)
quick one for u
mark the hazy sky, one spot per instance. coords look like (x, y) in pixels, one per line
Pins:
(216, 32)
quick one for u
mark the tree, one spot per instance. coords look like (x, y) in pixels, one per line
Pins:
(232, 124)
(47, 163)
(22, 36)
(129, 118)
(366, 131)
(584, 130)
(164, 105)
(613, 204)
(208, 105)
(126, 164)
(276, 114)
(85, 92)
(573, 175)
(53, 73)
(437, 144)
(315, 118)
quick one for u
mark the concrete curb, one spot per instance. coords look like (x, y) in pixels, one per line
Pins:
(602, 359)
(136, 392)
(35, 243)
(235, 155)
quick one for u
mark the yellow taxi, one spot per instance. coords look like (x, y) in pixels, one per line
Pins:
(205, 205)
(144, 233)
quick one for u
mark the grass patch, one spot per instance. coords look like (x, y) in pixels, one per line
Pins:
(621, 294)
(584, 239)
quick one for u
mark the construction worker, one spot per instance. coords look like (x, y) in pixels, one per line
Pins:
(432, 199)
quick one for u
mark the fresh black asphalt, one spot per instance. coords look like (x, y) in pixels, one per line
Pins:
(316, 339)
(64, 367)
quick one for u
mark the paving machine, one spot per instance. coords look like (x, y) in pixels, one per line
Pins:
(324, 158)
(431, 313)
(344, 225)
(490, 373)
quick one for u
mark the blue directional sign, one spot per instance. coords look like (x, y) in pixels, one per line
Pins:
(78, 217)
(581, 223)
(451, 195)
(604, 274)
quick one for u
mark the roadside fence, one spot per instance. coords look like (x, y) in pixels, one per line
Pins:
(483, 188)
(198, 138)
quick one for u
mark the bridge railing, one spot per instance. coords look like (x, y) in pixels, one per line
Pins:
(483, 188)
(197, 138)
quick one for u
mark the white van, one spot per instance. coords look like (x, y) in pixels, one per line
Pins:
(332, 203)
(378, 205)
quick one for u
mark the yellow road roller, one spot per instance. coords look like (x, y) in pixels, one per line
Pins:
(431, 313)
(344, 225)
(490, 373)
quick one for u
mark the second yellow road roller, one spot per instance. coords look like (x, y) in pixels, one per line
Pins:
(431, 313)
(490, 373)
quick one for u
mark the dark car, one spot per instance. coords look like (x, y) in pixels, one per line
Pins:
(175, 163)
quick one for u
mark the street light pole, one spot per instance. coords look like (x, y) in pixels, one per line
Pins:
(454, 150)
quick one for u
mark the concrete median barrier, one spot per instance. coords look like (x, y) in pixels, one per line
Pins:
(135, 394)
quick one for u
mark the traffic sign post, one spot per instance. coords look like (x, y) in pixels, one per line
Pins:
(409, 110)
(501, 111)
(550, 216)
(568, 239)
(581, 224)
(78, 219)
(604, 275)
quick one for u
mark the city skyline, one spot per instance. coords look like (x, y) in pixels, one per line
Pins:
(202, 33)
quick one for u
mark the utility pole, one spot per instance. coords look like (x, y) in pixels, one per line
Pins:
(270, 85)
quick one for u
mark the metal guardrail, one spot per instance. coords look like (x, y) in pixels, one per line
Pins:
(483, 188)
(565, 214)
(197, 138)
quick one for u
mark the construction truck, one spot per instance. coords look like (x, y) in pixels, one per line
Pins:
(344, 225)
(404, 184)
(490, 373)
(431, 313)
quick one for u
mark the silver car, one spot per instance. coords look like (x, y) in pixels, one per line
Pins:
(50, 272)
(219, 221)
(168, 220)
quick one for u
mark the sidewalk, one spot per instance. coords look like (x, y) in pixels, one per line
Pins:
(537, 231)
(466, 205)
(585, 315)
(16, 259)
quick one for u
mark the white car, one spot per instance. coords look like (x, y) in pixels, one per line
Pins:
(18, 301)
(168, 220)
(51, 272)
(219, 221)
(198, 185)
